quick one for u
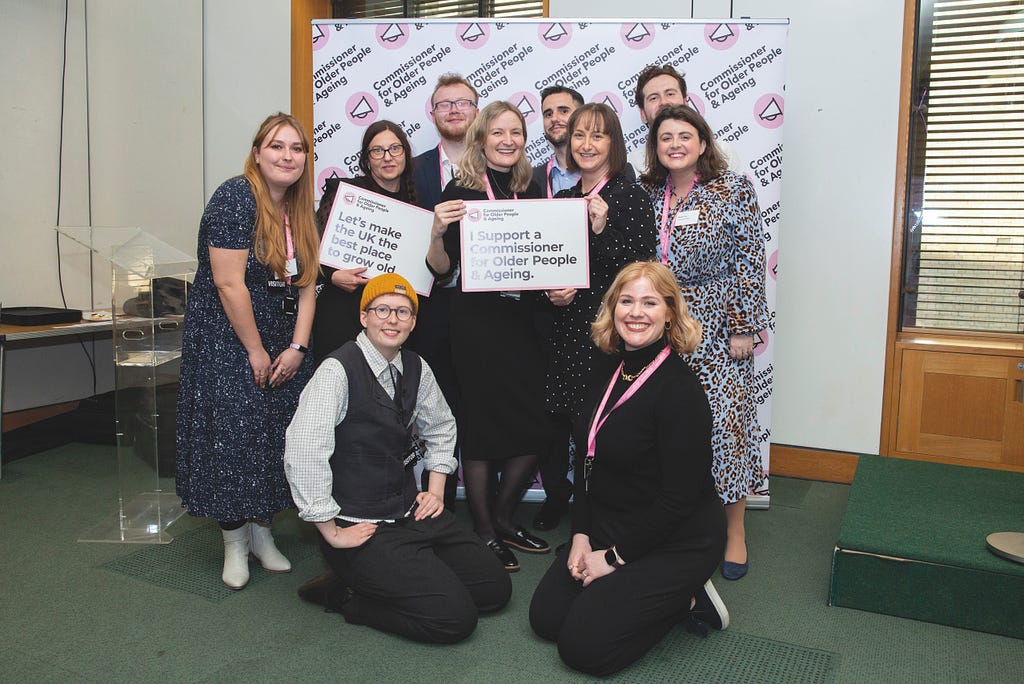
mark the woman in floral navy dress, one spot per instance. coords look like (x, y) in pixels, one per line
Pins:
(244, 349)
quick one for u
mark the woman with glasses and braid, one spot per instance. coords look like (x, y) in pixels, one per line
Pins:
(385, 159)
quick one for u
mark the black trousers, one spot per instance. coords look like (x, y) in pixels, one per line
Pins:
(554, 465)
(425, 580)
(618, 618)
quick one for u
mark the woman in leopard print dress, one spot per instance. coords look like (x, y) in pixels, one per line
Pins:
(710, 235)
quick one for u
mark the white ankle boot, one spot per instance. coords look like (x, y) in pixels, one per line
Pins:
(261, 545)
(236, 557)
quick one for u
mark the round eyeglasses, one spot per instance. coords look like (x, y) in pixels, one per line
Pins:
(384, 311)
(395, 150)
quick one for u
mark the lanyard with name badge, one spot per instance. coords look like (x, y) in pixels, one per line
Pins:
(683, 218)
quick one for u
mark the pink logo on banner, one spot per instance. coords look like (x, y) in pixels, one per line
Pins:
(721, 36)
(392, 36)
(527, 105)
(349, 197)
(554, 35)
(768, 110)
(321, 36)
(362, 108)
(773, 264)
(473, 215)
(696, 103)
(610, 99)
(637, 36)
(472, 36)
(760, 342)
(325, 175)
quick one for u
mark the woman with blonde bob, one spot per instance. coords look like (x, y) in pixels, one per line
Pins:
(648, 528)
(244, 346)
(496, 348)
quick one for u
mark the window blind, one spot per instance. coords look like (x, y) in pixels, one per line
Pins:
(965, 224)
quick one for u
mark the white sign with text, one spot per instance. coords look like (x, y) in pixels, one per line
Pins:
(380, 233)
(525, 245)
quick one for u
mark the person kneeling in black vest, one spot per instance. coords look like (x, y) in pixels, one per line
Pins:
(399, 561)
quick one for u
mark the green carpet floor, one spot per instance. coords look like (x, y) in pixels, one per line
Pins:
(86, 612)
(912, 543)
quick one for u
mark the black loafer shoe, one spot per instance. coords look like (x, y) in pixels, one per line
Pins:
(708, 611)
(327, 590)
(524, 541)
(548, 517)
(504, 554)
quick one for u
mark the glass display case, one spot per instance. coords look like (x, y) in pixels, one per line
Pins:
(150, 284)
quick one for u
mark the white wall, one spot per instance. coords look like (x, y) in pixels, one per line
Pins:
(843, 69)
(247, 77)
(842, 95)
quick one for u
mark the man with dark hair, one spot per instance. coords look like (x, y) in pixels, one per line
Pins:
(656, 87)
(557, 103)
(370, 412)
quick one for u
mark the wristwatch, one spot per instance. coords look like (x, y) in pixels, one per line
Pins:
(612, 558)
(298, 347)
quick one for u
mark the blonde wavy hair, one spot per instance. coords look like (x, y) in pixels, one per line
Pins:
(683, 331)
(473, 164)
(268, 238)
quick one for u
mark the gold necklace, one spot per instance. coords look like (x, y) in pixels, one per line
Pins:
(630, 377)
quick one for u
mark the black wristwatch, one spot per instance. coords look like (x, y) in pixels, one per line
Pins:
(612, 559)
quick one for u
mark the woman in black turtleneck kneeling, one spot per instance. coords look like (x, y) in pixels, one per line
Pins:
(648, 528)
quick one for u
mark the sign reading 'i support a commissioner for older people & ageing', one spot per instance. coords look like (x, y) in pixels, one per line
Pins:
(380, 233)
(525, 245)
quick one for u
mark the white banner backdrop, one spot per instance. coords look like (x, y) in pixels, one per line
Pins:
(365, 70)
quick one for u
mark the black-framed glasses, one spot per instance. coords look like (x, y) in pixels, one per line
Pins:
(394, 150)
(384, 311)
(446, 105)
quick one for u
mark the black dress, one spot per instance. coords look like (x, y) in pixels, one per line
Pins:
(337, 311)
(629, 235)
(496, 350)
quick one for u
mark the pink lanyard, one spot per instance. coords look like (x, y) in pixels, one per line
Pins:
(666, 229)
(599, 420)
(547, 175)
(289, 246)
(597, 188)
(490, 193)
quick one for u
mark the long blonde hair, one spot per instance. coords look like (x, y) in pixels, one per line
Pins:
(683, 330)
(268, 238)
(473, 164)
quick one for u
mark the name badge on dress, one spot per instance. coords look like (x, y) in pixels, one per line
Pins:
(291, 268)
(687, 218)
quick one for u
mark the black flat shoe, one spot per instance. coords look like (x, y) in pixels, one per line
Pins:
(504, 554)
(524, 541)
(708, 612)
(327, 590)
(548, 517)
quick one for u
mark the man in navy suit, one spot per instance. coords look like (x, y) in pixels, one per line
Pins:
(453, 107)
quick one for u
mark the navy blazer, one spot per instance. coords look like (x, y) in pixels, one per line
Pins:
(426, 177)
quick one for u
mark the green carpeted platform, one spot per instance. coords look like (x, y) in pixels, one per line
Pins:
(912, 544)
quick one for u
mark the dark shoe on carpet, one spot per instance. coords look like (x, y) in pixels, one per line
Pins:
(327, 590)
(734, 571)
(708, 612)
(549, 515)
(504, 554)
(524, 541)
